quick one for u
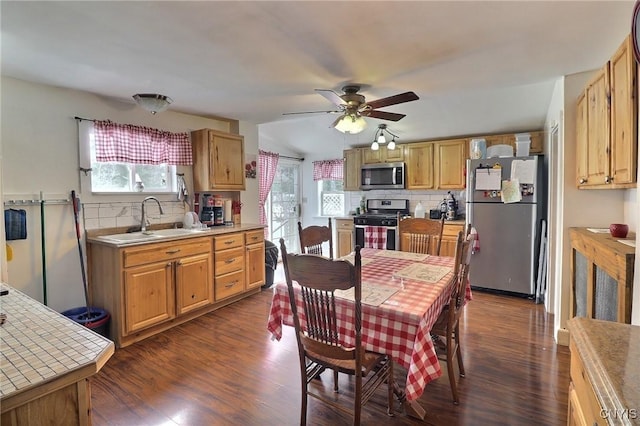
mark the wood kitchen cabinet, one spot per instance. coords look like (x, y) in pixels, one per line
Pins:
(164, 280)
(449, 238)
(352, 162)
(419, 166)
(344, 237)
(218, 160)
(450, 158)
(147, 288)
(436, 165)
(383, 155)
(606, 125)
(584, 408)
(229, 265)
(536, 147)
(150, 287)
(254, 254)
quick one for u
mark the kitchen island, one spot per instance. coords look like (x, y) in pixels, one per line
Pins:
(45, 364)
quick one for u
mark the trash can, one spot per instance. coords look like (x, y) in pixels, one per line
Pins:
(270, 262)
(98, 321)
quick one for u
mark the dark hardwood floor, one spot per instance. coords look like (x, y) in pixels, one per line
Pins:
(223, 369)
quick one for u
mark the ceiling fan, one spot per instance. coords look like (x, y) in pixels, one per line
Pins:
(352, 107)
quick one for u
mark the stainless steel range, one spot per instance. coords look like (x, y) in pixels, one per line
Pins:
(381, 212)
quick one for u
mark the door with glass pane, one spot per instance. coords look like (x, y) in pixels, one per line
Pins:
(283, 205)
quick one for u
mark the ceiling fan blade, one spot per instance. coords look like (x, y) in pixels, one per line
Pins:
(311, 112)
(383, 115)
(332, 96)
(393, 100)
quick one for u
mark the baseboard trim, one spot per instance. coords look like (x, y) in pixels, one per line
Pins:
(562, 337)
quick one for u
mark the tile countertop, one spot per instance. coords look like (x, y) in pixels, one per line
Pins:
(610, 352)
(94, 237)
(40, 346)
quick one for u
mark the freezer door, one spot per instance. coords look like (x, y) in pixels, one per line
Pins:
(507, 240)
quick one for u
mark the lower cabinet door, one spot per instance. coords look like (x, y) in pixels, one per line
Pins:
(149, 297)
(193, 282)
(255, 273)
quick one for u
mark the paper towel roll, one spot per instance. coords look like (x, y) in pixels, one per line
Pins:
(228, 215)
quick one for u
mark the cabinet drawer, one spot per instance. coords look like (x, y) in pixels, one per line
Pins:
(228, 241)
(344, 224)
(584, 390)
(254, 237)
(229, 261)
(452, 229)
(158, 252)
(229, 285)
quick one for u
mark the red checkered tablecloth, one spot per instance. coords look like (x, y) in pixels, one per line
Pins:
(398, 327)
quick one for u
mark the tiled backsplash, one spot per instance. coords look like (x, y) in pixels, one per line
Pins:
(429, 199)
(127, 214)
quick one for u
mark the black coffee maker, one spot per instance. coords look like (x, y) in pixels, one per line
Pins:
(207, 213)
(212, 211)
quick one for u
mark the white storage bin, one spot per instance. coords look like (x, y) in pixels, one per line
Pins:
(522, 148)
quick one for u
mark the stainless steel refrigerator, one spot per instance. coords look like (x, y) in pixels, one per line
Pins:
(505, 203)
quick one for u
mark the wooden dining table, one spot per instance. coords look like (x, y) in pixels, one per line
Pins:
(402, 295)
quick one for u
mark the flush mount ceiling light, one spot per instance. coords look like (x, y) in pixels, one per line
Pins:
(350, 123)
(379, 138)
(152, 102)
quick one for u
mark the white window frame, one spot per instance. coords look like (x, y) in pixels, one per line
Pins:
(321, 213)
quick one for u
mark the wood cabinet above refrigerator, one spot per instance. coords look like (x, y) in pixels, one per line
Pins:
(218, 160)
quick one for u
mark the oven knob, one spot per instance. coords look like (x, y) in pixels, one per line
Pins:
(385, 222)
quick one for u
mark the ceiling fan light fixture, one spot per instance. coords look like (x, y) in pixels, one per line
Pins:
(380, 138)
(392, 145)
(351, 123)
(153, 102)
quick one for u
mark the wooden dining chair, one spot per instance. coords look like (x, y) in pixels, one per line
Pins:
(319, 341)
(313, 237)
(446, 330)
(419, 235)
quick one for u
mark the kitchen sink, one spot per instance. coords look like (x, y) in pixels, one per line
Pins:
(134, 237)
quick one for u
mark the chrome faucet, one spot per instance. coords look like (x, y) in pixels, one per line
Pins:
(143, 226)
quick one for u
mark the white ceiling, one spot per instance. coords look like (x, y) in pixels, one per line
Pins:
(478, 67)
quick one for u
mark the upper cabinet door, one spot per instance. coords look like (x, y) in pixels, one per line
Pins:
(419, 167)
(598, 119)
(623, 114)
(218, 160)
(351, 172)
(582, 141)
(450, 163)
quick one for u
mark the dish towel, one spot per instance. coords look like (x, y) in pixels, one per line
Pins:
(475, 245)
(15, 224)
(375, 237)
(183, 193)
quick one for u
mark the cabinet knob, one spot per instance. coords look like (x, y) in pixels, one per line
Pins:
(168, 265)
(608, 179)
(582, 181)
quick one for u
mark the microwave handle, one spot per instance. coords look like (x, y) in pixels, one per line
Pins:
(393, 180)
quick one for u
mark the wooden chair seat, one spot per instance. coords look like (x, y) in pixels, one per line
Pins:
(319, 343)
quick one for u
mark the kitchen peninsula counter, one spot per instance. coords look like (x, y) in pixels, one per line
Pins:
(45, 363)
(609, 353)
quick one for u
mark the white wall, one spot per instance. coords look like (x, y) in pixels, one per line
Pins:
(40, 153)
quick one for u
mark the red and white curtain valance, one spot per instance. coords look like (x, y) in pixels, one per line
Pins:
(141, 145)
(328, 170)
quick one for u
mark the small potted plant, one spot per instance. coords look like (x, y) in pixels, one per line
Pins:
(235, 209)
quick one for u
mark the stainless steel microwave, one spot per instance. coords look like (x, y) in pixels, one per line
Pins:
(382, 176)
